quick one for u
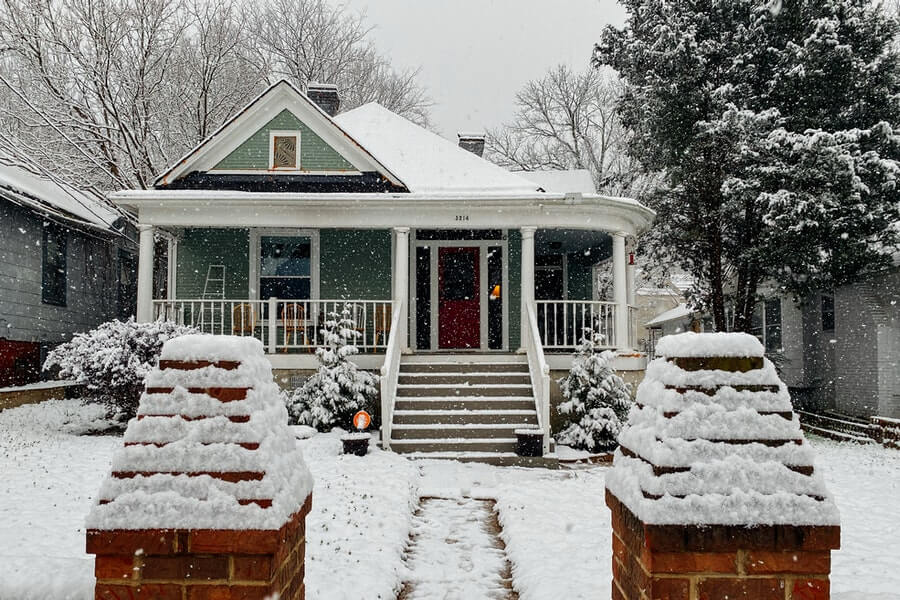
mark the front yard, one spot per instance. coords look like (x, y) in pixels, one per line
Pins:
(555, 524)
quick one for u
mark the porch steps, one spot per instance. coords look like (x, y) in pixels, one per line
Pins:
(463, 407)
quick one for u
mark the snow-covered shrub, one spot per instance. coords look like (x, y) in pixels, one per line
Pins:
(338, 389)
(113, 359)
(596, 400)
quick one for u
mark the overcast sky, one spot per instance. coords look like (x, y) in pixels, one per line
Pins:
(475, 54)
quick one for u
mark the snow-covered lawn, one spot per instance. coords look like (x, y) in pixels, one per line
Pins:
(555, 523)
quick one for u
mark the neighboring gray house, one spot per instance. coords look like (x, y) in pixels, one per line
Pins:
(836, 352)
(66, 265)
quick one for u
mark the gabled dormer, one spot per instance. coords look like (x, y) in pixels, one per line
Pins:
(282, 141)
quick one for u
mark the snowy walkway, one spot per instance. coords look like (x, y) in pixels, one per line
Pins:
(455, 552)
(555, 524)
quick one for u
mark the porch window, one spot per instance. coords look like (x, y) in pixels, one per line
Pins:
(285, 268)
(53, 265)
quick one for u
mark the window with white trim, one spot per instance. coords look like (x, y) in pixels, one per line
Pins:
(284, 150)
(285, 267)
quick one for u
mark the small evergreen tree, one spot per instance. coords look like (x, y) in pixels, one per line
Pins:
(595, 398)
(337, 390)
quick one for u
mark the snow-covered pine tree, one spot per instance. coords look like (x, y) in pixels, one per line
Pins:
(337, 390)
(595, 398)
(751, 108)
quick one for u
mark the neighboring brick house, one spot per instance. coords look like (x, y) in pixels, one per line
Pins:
(66, 265)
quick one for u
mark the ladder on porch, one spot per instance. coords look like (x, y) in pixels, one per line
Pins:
(213, 289)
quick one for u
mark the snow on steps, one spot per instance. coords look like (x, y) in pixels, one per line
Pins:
(463, 407)
(840, 428)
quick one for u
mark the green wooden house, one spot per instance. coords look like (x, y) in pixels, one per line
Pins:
(447, 262)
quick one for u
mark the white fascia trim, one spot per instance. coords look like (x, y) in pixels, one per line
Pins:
(299, 171)
(261, 110)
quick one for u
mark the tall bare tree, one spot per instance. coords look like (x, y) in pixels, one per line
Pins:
(568, 120)
(311, 40)
(107, 93)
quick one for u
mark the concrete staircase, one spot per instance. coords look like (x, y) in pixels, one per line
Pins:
(464, 407)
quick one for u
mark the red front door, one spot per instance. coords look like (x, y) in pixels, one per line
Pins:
(459, 305)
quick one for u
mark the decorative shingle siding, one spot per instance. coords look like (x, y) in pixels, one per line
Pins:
(315, 154)
(91, 281)
(355, 264)
(200, 248)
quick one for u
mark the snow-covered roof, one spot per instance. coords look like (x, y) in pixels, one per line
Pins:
(679, 312)
(562, 181)
(55, 198)
(425, 161)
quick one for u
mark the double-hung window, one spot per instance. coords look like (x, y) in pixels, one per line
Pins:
(53, 265)
(285, 267)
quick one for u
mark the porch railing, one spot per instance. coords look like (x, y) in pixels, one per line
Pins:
(540, 373)
(390, 372)
(282, 325)
(561, 323)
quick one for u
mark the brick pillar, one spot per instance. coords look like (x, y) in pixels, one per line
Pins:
(713, 494)
(207, 500)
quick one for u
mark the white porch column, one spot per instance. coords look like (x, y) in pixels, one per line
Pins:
(401, 280)
(620, 291)
(629, 274)
(145, 274)
(527, 280)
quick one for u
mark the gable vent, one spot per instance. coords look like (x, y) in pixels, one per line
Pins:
(325, 95)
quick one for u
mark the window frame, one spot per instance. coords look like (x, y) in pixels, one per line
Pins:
(273, 133)
(823, 312)
(61, 237)
(256, 235)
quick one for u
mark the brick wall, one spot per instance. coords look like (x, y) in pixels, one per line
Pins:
(200, 564)
(682, 562)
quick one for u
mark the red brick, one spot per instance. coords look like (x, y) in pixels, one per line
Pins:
(251, 541)
(126, 542)
(114, 567)
(740, 589)
(203, 568)
(670, 589)
(811, 563)
(257, 568)
(142, 592)
(810, 589)
(229, 592)
(692, 562)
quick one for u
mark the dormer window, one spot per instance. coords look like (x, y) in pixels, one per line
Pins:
(284, 150)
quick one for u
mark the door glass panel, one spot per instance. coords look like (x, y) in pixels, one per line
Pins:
(459, 276)
(495, 297)
(423, 298)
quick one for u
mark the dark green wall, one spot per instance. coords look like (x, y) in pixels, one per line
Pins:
(315, 154)
(355, 264)
(200, 248)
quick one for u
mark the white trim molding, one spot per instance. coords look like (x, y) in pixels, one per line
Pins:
(256, 233)
(294, 133)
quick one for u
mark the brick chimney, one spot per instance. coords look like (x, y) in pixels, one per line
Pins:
(473, 142)
(325, 95)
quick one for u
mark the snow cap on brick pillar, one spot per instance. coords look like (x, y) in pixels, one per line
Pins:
(713, 491)
(209, 467)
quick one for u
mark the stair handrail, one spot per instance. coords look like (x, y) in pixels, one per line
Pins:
(390, 371)
(540, 373)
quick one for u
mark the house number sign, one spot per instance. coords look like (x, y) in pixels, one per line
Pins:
(462, 217)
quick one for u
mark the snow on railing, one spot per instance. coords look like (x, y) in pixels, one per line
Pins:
(390, 371)
(561, 323)
(282, 325)
(540, 373)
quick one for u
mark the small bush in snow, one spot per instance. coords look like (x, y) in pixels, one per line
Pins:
(113, 359)
(596, 400)
(337, 390)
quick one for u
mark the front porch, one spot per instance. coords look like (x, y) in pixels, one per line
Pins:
(468, 290)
